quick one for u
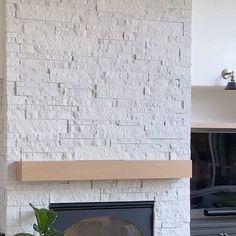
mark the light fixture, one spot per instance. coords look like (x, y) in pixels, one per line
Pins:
(229, 75)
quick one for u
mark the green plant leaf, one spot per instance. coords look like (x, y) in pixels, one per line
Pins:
(24, 234)
(53, 233)
(45, 219)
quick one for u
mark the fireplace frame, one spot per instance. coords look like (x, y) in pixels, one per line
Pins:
(97, 206)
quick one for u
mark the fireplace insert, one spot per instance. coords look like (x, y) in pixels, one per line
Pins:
(105, 219)
(213, 186)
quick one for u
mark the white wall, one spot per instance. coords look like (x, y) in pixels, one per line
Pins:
(2, 157)
(1, 37)
(213, 49)
(214, 40)
(213, 105)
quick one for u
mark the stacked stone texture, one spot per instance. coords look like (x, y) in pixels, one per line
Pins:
(2, 120)
(98, 79)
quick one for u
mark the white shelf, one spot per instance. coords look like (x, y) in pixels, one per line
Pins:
(200, 87)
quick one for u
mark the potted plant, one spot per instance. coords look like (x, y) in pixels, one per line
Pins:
(45, 219)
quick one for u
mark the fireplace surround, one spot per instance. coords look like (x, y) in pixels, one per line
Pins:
(99, 80)
(105, 219)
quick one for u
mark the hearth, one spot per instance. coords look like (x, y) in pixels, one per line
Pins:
(105, 219)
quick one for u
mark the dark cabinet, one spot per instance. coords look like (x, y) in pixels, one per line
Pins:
(213, 227)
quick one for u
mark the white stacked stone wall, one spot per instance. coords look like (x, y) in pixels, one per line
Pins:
(2, 117)
(98, 79)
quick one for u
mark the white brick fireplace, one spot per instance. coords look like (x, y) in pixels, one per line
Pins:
(95, 80)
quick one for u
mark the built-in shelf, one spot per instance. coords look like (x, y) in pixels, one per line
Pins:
(33, 171)
(215, 87)
(213, 125)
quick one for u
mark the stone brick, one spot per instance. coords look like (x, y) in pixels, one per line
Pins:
(24, 197)
(62, 196)
(43, 12)
(103, 80)
(39, 126)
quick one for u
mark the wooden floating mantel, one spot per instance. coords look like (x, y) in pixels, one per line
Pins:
(213, 125)
(34, 171)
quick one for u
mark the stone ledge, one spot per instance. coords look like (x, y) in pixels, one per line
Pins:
(35, 171)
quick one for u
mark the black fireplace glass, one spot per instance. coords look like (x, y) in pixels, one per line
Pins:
(104, 226)
(105, 219)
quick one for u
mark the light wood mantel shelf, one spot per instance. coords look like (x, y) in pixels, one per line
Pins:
(31, 171)
(213, 125)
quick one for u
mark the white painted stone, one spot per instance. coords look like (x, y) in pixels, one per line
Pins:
(104, 79)
(75, 195)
